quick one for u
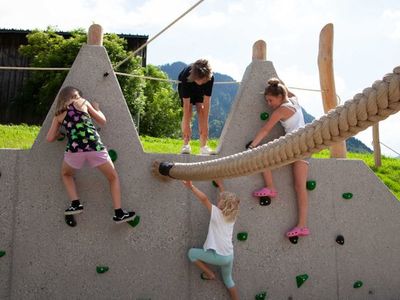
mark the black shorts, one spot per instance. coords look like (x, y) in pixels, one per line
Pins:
(193, 100)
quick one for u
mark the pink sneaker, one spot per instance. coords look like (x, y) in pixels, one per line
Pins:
(265, 192)
(298, 231)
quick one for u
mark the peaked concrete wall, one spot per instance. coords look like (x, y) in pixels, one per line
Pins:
(46, 259)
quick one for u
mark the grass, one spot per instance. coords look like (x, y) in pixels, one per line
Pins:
(23, 136)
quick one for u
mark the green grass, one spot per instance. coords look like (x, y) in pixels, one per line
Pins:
(23, 136)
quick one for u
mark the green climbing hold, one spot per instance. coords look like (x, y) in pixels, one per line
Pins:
(113, 154)
(214, 183)
(261, 296)
(357, 284)
(101, 269)
(311, 184)
(135, 221)
(300, 279)
(242, 236)
(2, 253)
(264, 116)
(347, 195)
(62, 137)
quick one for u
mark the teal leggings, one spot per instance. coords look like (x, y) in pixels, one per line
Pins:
(211, 257)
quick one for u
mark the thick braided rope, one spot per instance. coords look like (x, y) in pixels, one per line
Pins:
(374, 104)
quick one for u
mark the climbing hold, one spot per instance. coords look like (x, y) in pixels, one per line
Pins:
(165, 167)
(2, 253)
(101, 269)
(264, 201)
(135, 221)
(70, 220)
(248, 145)
(264, 116)
(62, 137)
(300, 279)
(106, 74)
(311, 184)
(347, 195)
(357, 284)
(261, 296)
(113, 154)
(215, 184)
(294, 239)
(340, 239)
(242, 236)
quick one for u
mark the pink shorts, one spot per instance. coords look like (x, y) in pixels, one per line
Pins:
(95, 158)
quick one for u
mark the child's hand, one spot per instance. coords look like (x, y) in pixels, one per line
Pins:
(187, 183)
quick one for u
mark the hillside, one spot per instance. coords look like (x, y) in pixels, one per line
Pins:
(222, 99)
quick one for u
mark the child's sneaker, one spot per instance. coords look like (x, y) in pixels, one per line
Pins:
(206, 151)
(73, 210)
(186, 149)
(127, 216)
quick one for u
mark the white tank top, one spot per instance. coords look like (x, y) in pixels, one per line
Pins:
(297, 119)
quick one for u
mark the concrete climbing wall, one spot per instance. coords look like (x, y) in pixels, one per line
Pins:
(46, 259)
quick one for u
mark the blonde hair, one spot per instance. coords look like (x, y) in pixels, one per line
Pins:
(200, 69)
(65, 95)
(229, 205)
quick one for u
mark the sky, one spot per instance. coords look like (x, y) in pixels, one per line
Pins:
(366, 38)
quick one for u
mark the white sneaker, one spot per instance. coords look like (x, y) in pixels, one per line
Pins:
(206, 151)
(186, 149)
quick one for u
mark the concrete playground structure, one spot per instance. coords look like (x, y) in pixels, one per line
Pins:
(46, 259)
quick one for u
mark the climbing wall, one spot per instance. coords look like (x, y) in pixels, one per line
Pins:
(46, 259)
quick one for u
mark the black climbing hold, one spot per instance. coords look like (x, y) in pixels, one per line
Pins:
(311, 184)
(242, 236)
(340, 239)
(370, 292)
(261, 296)
(165, 167)
(215, 184)
(265, 201)
(101, 269)
(70, 220)
(347, 196)
(113, 154)
(294, 239)
(106, 74)
(300, 279)
(2, 253)
(264, 116)
(248, 145)
(135, 221)
(357, 284)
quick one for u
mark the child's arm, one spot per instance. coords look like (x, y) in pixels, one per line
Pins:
(276, 116)
(53, 132)
(95, 112)
(199, 194)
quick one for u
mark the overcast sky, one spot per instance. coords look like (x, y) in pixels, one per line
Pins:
(366, 45)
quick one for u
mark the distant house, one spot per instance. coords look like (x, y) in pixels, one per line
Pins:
(11, 82)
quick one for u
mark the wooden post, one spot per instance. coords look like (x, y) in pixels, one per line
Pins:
(259, 50)
(95, 35)
(327, 81)
(376, 145)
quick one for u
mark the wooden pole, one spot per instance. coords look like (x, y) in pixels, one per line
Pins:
(327, 81)
(376, 145)
(259, 50)
(95, 35)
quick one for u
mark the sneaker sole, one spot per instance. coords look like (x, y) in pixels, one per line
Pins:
(70, 213)
(125, 220)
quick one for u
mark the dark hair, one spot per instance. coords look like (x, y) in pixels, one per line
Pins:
(275, 87)
(64, 96)
(200, 69)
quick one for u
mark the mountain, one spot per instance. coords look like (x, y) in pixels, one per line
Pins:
(222, 99)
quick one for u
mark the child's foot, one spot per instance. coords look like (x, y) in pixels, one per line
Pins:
(125, 216)
(265, 192)
(204, 276)
(74, 209)
(298, 231)
(186, 149)
(206, 151)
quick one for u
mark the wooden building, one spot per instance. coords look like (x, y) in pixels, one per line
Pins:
(11, 82)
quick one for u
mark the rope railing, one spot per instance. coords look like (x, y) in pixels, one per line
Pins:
(373, 105)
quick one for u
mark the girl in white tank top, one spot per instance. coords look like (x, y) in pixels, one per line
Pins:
(288, 113)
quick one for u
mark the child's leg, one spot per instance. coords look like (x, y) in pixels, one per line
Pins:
(226, 271)
(187, 117)
(109, 171)
(67, 174)
(203, 110)
(269, 183)
(300, 171)
(198, 256)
